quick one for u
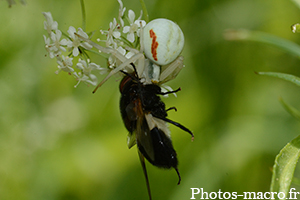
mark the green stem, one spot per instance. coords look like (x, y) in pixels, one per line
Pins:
(145, 10)
(83, 14)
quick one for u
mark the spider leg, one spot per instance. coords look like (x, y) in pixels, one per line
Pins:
(141, 38)
(120, 67)
(170, 71)
(107, 50)
(125, 61)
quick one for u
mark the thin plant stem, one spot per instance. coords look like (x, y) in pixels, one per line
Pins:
(83, 14)
(145, 10)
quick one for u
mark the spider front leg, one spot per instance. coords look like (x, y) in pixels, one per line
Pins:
(137, 57)
(107, 50)
(127, 62)
(170, 71)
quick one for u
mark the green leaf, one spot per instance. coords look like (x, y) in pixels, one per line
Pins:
(287, 77)
(293, 111)
(284, 167)
(286, 45)
(297, 3)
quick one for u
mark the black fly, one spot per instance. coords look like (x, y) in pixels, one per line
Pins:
(145, 117)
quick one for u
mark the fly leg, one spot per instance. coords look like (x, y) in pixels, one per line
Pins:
(142, 159)
(176, 124)
(169, 92)
(178, 176)
(172, 108)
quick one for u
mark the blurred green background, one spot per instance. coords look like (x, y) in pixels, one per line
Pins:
(58, 142)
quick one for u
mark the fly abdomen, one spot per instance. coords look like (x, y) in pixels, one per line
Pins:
(164, 154)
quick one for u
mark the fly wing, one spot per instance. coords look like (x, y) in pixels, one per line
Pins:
(143, 138)
(129, 120)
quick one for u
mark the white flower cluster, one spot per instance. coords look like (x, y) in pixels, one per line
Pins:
(120, 38)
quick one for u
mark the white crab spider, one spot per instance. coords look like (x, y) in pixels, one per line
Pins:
(161, 40)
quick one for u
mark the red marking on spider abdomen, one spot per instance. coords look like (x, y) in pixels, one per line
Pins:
(154, 44)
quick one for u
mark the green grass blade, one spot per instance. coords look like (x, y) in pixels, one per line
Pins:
(284, 167)
(290, 109)
(286, 45)
(287, 77)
